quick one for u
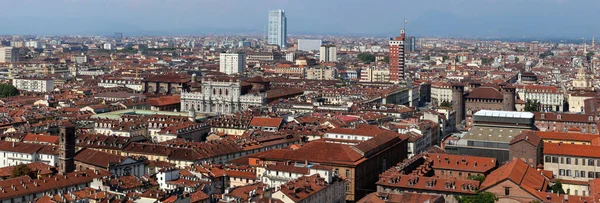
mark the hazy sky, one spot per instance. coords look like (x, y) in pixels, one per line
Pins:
(462, 18)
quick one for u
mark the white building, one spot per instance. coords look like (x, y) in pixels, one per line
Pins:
(108, 46)
(79, 59)
(8, 55)
(328, 53)
(33, 84)
(231, 63)
(290, 57)
(275, 175)
(15, 153)
(33, 44)
(221, 96)
(165, 176)
(309, 44)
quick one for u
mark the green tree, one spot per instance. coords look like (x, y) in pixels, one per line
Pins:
(487, 61)
(546, 54)
(366, 57)
(516, 59)
(479, 178)
(20, 170)
(7, 90)
(446, 104)
(589, 56)
(444, 58)
(480, 197)
(532, 105)
(557, 187)
(386, 59)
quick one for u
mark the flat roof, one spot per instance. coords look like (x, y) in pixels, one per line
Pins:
(505, 114)
(115, 115)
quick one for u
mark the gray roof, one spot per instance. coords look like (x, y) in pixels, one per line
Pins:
(493, 134)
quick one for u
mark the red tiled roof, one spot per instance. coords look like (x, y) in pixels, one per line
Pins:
(41, 138)
(572, 150)
(462, 163)
(519, 173)
(268, 122)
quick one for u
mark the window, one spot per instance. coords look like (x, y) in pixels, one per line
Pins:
(568, 172)
(583, 162)
(347, 173)
(547, 159)
(577, 173)
(590, 162)
(506, 191)
(347, 187)
(583, 174)
(568, 160)
(554, 159)
(576, 161)
(562, 160)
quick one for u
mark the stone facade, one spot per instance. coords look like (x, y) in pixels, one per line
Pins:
(221, 97)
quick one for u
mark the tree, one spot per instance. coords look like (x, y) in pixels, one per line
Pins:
(386, 59)
(589, 56)
(480, 197)
(532, 105)
(516, 59)
(7, 90)
(557, 187)
(444, 58)
(486, 61)
(546, 54)
(366, 57)
(21, 170)
(479, 178)
(446, 104)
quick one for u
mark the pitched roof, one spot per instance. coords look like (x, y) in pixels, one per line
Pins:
(521, 174)
(572, 150)
(462, 163)
(527, 136)
(41, 138)
(485, 93)
(405, 197)
(98, 158)
(267, 122)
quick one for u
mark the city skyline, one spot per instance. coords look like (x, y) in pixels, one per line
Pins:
(464, 18)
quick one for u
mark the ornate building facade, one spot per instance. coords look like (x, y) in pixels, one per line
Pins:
(223, 96)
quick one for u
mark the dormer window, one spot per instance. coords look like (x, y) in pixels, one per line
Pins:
(591, 118)
(559, 117)
(543, 116)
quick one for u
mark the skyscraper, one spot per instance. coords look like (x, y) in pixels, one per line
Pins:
(397, 58)
(277, 28)
(411, 42)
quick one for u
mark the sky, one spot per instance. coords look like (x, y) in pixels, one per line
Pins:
(440, 18)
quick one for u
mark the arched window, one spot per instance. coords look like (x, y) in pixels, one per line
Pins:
(214, 91)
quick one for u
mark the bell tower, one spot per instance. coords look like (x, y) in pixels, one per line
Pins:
(66, 163)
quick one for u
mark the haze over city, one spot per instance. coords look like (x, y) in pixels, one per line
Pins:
(457, 18)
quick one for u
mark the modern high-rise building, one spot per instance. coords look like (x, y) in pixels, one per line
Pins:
(309, 44)
(118, 36)
(8, 55)
(411, 43)
(397, 65)
(328, 53)
(231, 63)
(277, 28)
